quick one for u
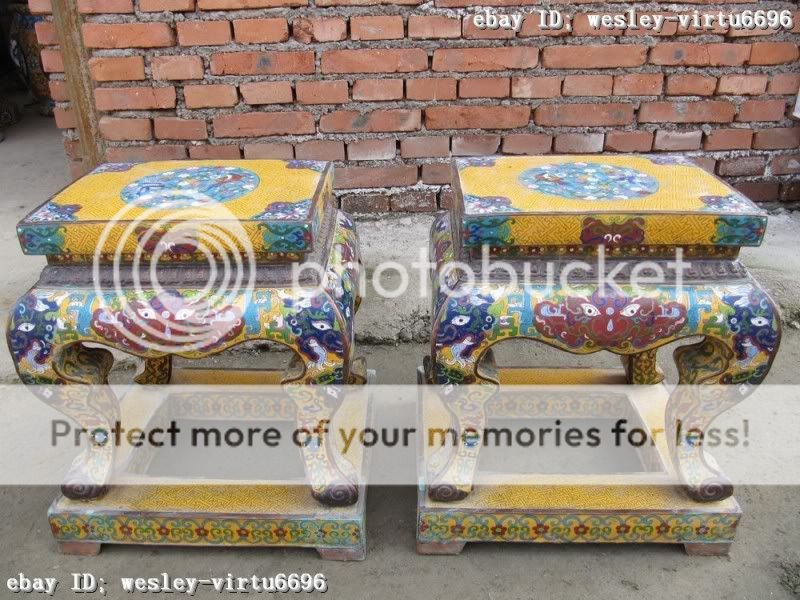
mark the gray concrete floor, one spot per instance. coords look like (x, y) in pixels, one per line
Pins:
(764, 561)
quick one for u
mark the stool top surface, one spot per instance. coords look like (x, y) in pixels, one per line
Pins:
(278, 204)
(639, 200)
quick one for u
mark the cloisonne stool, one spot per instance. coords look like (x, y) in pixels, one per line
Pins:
(531, 211)
(188, 218)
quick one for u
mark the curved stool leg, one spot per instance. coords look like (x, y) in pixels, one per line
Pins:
(738, 361)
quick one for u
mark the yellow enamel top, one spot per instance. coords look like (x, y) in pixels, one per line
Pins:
(100, 194)
(654, 188)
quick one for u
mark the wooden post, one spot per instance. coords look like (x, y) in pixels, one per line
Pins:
(68, 22)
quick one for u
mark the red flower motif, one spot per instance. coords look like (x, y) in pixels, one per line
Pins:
(281, 532)
(581, 529)
(457, 529)
(243, 532)
(663, 528)
(201, 531)
(163, 530)
(125, 530)
(424, 526)
(541, 529)
(623, 528)
(702, 530)
(499, 530)
(54, 528)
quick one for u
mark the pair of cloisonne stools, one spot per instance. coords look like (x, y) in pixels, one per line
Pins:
(98, 293)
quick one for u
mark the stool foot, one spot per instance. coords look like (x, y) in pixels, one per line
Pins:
(359, 553)
(451, 548)
(708, 549)
(80, 548)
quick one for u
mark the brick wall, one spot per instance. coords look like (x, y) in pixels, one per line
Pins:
(390, 89)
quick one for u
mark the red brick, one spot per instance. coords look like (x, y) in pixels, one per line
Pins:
(446, 198)
(437, 173)
(728, 139)
(629, 141)
(377, 28)
(431, 88)
(700, 111)
(784, 83)
(773, 53)
(216, 152)
(374, 177)
(582, 115)
(432, 27)
(413, 201)
(762, 110)
(105, 6)
(320, 150)
(166, 5)
(307, 31)
(728, 55)
(134, 98)
(786, 164)
(677, 140)
(146, 153)
(65, 118)
(174, 128)
(260, 31)
(594, 57)
(52, 61)
(777, 138)
(266, 92)
(587, 85)
(177, 67)
(759, 191)
(741, 85)
(707, 163)
(385, 149)
(208, 96)
(321, 92)
(476, 117)
(127, 35)
(346, 121)
(117, 68)
(425, 147)
(790, 190)
(535, 87)
(203, 33)
(245, 4)
(527, 143)
(639, 84)
(365, 203)
(46, 33)
(470, 31)
(58, 90)
(485, 59)
(262, 63)
(475, 145)
(122, 130)
(256, 124)
(577, 143)
(691, 29)
(742, 166)
(690, 84)
(378, 60)
(377, 89)
(270, 150)
(667, 29)
(484, 87)
(40, 7)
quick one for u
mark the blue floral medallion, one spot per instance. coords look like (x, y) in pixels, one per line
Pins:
(52, 212)
(190, 187)
(732, 203)
(589, 181)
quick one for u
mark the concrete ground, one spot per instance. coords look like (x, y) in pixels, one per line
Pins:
(764, 561)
